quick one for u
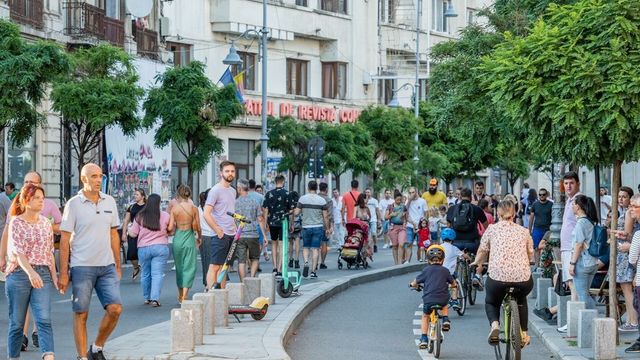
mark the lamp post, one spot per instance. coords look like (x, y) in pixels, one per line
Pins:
(394, 103)
(233, 59)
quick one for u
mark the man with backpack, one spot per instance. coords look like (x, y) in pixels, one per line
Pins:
(464, 218)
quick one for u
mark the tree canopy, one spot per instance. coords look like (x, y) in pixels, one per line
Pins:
(26, 71)
(347, 147)
(189, 108)
(100, 92)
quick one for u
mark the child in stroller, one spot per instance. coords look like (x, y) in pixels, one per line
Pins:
(355, 250)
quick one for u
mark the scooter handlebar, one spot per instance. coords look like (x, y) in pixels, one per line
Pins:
(239, 217)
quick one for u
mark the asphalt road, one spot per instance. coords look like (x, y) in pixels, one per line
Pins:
(376, 321)
(135, 314)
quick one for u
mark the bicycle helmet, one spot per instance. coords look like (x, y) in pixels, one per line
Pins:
(435, 253)
(448, 234)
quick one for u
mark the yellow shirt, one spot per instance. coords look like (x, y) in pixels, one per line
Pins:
(435, 200)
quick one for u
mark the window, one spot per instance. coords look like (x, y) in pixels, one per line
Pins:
(336, 6)
(302, 3)
(388, 11)
(439, 21)
(334, 80)
(241, 153)
(181, 53)
(385, 90)
(110, 7)
(249, 68)
(471, 16)
(297, 77)
(21, 161)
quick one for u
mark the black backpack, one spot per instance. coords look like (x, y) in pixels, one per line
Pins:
(463, 217)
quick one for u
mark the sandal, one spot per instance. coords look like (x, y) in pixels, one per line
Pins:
(147, 302)
(494, 336)
(155, 303)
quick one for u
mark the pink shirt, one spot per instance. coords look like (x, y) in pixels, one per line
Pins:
(148, 237)
(34, 241)
(51, 211)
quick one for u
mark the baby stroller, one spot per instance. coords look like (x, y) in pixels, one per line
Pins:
(354, 250)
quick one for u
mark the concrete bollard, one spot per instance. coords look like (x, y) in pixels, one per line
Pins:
(236, 293)
(268, 287)
(251, 290)
(541, 289)
(562, 309)
(198, 315)
(535, 276)
(182, 331)
(604, 340)
(209, 315)
(585, 327)
(552, 297)
(221, 297)
(573, 309)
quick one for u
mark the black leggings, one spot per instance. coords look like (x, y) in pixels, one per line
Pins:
(495, 292)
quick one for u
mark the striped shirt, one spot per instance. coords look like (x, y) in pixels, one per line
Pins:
(312, 206)
(634, 255)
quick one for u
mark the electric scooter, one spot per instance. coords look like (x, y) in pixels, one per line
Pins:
(242, 221)
(291, 280)
(258, 308)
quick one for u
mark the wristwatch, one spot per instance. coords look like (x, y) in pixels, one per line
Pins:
(572, 263)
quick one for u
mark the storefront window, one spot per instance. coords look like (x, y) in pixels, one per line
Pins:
(21, 160)
(241, 153)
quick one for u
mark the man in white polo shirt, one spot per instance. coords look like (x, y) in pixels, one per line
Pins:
(89, 231)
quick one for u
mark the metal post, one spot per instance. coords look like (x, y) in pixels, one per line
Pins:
(557, 211)
(264, 138)
(416, 88)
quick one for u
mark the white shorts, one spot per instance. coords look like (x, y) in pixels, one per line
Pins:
(565, 256)
(373, 228)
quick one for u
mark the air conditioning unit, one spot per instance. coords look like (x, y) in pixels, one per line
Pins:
(165, 28)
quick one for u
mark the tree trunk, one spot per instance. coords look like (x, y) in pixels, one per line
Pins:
(190, 179)
(81, 155)
(597, 197)
(613, 298)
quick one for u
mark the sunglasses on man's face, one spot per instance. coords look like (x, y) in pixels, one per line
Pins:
(544, 194)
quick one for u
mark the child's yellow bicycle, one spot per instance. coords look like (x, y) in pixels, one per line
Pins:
(435, 333)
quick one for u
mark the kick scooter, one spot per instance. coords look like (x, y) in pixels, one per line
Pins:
(291, 280)
(242, 221)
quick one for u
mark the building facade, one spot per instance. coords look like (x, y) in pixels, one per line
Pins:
(327, 60)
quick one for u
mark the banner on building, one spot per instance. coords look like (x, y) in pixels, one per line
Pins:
(272, 172)
(135, 162)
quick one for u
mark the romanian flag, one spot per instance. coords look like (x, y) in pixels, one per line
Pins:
(227, 78)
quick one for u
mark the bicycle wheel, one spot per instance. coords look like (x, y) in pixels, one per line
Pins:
(461, 298)
(470, 290)
(515, 338)
(438, 340)
(473, 293)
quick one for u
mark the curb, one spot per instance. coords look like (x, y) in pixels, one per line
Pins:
(282, 328)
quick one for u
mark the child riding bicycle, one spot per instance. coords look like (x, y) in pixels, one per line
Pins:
(435, 280)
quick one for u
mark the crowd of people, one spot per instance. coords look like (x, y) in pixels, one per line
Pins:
(508, 233)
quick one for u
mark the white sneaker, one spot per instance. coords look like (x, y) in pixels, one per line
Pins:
(562, 329)
(386, 246)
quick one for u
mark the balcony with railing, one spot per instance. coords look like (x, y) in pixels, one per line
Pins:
(88, 21)
(147, 41)
(27, 12)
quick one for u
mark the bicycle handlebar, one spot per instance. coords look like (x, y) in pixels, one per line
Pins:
(416, 288)
(239, 217)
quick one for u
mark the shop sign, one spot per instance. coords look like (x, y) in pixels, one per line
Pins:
(303, 112)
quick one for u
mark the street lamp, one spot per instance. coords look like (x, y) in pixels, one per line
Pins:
(394, 103)
(233, 59)
(450, 12)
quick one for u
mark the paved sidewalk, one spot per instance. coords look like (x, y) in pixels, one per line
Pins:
(252, 340)
(565, 347)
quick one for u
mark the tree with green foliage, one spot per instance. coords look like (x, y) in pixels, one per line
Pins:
(572, 86)
(26, 71)
(291, 138)
(100, 92)
(392, 134)
(189, 108)
(347, 147)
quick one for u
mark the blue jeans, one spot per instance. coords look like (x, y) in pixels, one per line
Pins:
(411, 234)
(582, 282)
(153, 259)
(20, 295)
(102, 278)
(311, 237)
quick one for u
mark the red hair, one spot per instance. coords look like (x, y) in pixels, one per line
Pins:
(26, 194)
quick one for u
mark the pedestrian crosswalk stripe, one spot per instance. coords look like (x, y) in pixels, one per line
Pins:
(417, 321)
(417, 332)
(418, 313)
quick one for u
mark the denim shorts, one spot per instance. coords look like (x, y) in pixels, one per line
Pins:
(220, 249)
(311, 237)
(102, 278)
